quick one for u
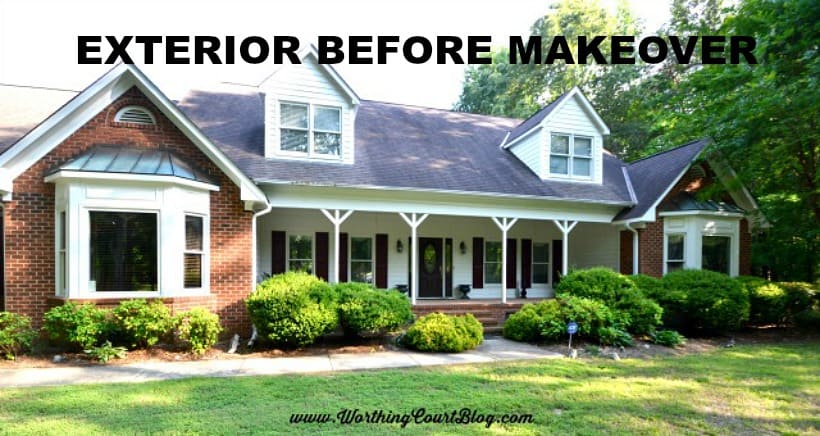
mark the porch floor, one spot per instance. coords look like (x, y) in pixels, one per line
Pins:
(491, 312)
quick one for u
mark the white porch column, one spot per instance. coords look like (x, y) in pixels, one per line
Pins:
(565, 226)
(504, 225)
(337, 223)
(414, 222)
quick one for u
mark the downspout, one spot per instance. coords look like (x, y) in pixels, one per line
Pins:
(635, 262)
(254, 266)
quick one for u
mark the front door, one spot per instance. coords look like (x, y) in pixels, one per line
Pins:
(430, 268)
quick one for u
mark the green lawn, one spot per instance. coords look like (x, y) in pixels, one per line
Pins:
(748, 389)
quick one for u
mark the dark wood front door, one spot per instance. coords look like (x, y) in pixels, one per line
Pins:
(430, 268)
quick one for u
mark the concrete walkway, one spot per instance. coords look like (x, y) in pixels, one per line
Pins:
(493, 349)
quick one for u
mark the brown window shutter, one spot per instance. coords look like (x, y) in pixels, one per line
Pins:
(512, 257)
(557, 260)
(478, 263)
(526, 263)
(320, 268)
(342, 264)
(278, 252)
(381, 261)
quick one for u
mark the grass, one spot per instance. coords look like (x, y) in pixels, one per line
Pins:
(748, 389)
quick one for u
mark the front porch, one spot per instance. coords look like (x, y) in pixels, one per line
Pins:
(491, 313)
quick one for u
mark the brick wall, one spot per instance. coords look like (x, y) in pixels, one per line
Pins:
(29, 219)
(650, 246)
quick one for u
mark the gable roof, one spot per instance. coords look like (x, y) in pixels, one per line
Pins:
(331, 72)
(397, 147)
(37, 142)
(653, 176)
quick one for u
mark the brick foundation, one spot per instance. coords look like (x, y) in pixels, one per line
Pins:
(29, 220)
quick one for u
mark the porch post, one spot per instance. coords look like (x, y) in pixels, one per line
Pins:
(337, 223)
(565, 227)
(504, 225)
(414, 222)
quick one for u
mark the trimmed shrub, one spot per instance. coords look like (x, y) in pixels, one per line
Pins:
(142, 324)
(77, 327)
(16, 334)
(526, 324)
(767, 301)
(365, 311)
(615, 337)
(713, 302)
(293, 309)
(649, 286)
(808, 319)
(442, 333)
(800, 296)
(640, 315)
(198, 329)
(591, 315)
(668, 338)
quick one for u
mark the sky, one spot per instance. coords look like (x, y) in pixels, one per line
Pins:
(38, 39)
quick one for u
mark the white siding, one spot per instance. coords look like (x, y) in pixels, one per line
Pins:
(305, 83)
(529, 150)
(572, 118)
(590, 244)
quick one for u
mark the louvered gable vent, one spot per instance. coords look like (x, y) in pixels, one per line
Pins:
(135, 115)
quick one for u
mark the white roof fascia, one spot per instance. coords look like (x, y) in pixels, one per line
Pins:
(138, 178)
(535, 129)
(587, 106)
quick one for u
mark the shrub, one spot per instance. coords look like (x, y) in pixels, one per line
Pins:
(366, 311)
(526, 324)
(16, 334)
(198, 329)
(106, 352)
(649, 286)
(141, 323)
(293, 309)
(713, 302)
(800, 296)
(668, 338)
(808, 319)
(615, 336)
(640, 314)
(591, 315)
(767, 301)
(442, 333)
(77, 326)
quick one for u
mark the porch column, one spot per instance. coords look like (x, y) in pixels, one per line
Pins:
(414, 222)
(565, 226)
(337, 223)
(504, 225)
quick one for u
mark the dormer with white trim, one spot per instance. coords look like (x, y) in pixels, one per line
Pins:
(309, 112)
(562, 141)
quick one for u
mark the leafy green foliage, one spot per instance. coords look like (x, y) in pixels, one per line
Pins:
(591, 316)
(198, 329)
(77, 326)
(293, 309)
(366, 311)
(438, 332)
(712, 302)
(106, 352)
(668, 338)
(142, 324)
(526, 324)
(615, 337)
(16, 334)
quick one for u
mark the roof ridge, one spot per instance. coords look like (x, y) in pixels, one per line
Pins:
(44, 88)
(677, 147)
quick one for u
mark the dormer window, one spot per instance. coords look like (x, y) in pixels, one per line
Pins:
(310, 129)
(571, 155)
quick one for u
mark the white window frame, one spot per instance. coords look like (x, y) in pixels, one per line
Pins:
(312, 258)
(204, 253)
(487, 262)
(533, 263)
(731, 259)
(61, 252)
(570, 155)
(372, 261)
(666, 258)
(311, 130)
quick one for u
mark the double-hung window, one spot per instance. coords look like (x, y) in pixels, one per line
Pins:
(193, 251)
(674, 252)
(310, 129)
(361, 260)
(123, 251)
(300, 253)
(492, 262)
(540, 262)
(571, 155)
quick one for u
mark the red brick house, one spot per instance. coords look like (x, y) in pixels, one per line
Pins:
(118, 192)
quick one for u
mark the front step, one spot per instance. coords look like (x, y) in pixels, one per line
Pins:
(490, 315)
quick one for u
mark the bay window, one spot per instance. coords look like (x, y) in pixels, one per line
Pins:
(674, 252)
(122, 251)
(192, 274)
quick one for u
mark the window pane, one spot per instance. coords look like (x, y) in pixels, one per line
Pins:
(492, 273)
(361, 249)
(326, 143)
(327, 119)
(193, 233)
(294, 140)
(301, 265)
(674, 266)
(492, 251)
(62, 231)
(540, 252)
(559, 165)
(123, 251)
(301, 247)
(361, 271)
(559, 144)
(716, 253)
(582, 146)
(674, 247)
(540, 273)
(193, 270)
(581, 166)
(294, 115)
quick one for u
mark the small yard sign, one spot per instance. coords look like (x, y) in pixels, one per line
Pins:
(572, 328)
